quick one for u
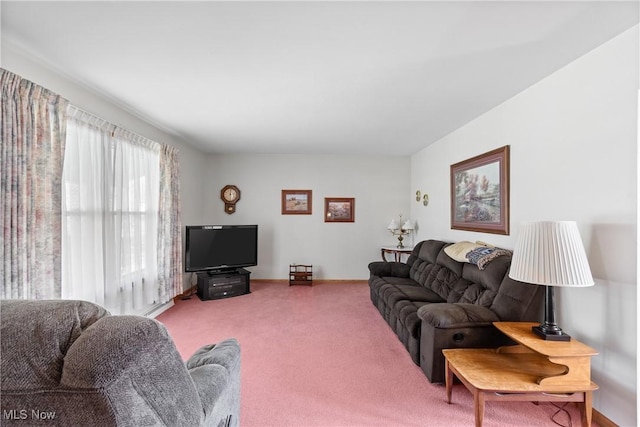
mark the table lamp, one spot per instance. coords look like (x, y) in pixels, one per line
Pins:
(550, 253)
(400, 230)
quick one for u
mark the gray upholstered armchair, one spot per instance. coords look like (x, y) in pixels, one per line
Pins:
(70, 363)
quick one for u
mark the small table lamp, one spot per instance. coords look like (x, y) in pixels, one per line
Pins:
(550, 253)
(400, 231)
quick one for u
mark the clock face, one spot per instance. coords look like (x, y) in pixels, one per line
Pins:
(230, 194)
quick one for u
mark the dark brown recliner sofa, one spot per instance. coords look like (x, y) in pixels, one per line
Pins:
(433, 302)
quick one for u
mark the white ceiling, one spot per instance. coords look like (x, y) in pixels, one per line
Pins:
(311, 77)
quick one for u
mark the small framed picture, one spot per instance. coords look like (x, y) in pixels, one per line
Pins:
(296, 202)
(339, 209)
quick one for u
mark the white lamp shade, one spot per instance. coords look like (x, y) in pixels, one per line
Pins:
(550, 253)
(407, 225)
(393, 225)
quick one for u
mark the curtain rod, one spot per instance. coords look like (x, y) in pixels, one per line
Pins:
(111, 127)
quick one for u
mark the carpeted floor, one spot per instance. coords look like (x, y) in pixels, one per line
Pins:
(323, 356)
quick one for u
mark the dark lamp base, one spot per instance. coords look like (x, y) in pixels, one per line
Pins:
(555, 335)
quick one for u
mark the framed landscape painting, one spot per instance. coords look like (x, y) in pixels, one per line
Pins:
(296, 202)
(339, 209)
(480, 193)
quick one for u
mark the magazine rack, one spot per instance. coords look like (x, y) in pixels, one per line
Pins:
(300, 274)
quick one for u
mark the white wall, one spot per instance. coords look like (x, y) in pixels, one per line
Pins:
(573, 139)
(192, 161)
(379, 185)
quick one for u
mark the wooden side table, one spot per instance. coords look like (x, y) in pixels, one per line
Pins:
(534, 370)
(397, 252)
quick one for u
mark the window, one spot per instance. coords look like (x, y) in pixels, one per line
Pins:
(111, 182)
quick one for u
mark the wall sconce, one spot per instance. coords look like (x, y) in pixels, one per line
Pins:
(404, 229)
(422, 197)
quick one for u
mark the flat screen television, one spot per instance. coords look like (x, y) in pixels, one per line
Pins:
(220, 247)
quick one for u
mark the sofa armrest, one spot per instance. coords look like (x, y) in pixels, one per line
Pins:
(225, 353)
(215, 371)
(389, 269)
(456, 315)
(212, 383)
(454, 325)
(133, 362)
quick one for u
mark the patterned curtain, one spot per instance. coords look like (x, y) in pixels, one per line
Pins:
(32, 128)
(169, 229)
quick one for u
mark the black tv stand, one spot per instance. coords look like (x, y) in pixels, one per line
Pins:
(217, 284)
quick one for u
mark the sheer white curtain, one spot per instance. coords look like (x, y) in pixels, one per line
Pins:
(110, 216)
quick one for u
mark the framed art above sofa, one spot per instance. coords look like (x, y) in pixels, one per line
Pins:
(480, 193)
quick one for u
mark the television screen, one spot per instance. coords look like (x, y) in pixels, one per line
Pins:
(221, 247)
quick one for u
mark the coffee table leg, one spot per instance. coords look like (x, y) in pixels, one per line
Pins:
(478, 404)
(448, 380)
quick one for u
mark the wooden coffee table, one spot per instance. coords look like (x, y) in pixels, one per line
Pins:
(534, 370)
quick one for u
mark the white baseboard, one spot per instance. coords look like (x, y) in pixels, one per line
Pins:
(159, 309)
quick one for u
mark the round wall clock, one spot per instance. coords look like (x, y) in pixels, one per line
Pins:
(230, 194)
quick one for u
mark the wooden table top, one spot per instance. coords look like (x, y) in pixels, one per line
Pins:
(521, 333)
(488, 370)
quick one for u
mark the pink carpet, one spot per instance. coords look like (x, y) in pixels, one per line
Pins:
(323, 356)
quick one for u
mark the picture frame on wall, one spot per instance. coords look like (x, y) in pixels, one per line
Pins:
(339, 209)
(297, 202)
(480, 193)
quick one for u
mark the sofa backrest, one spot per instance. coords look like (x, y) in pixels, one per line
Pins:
(432, 271)
(461, 282)
(518, 302)
(36, 336)
(74, 360)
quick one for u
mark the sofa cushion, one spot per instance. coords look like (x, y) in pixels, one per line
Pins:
(385, 269)
(517, 301)
(458, 315)
(476, 294)
(381, 286)
(428, 250)
(436, 277)
(419, 293)
(408, 316)
(489, 278)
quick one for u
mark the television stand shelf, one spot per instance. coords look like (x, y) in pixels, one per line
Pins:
(224, 284)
